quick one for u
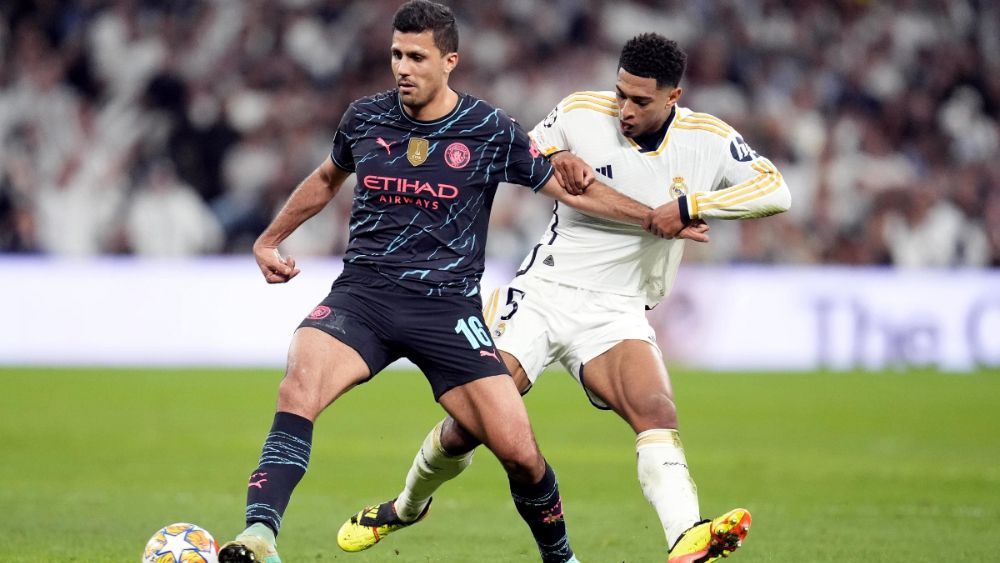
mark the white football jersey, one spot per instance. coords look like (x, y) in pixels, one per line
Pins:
(701, 159)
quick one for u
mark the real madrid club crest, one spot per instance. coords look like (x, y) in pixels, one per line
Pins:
(416, 151)
(678, 187)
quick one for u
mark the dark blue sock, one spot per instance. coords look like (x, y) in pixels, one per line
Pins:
(282, 464)
(541, 507)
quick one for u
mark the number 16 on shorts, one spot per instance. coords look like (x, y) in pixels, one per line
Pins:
(473, 330)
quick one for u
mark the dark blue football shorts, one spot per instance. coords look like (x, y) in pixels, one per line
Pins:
(445, 336)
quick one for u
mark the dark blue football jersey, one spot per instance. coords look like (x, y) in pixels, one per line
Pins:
(425, 189)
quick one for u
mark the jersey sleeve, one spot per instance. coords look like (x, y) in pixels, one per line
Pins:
(549, 135)
(343, 141)
(522, 162)
(747, 186)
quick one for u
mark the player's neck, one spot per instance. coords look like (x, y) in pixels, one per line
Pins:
(440, 106)
(650, 141)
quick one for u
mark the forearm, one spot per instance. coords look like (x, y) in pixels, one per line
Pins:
(763, 195)
(602, 201)
(308, 199)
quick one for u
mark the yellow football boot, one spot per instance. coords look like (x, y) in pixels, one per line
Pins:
(368, 527)
(710, 540)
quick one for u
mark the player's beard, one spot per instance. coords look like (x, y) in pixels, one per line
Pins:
(414, 101)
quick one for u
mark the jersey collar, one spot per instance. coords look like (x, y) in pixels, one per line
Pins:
(450, 114)
(652, 144)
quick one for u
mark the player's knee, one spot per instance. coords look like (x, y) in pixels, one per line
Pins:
(297, 394)
(456, 440)
(523, 465)
(656, 410)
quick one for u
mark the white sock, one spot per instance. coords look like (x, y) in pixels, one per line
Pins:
(665, 481)
(431, 468)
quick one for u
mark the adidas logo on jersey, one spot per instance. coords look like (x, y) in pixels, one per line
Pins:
(605, 171)
(549, 261)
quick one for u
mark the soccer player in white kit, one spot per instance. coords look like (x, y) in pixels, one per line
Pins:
(579, 297)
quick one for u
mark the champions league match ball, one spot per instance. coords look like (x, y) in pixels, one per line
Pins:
(181, 543)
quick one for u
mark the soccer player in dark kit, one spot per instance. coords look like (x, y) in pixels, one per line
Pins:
(428, 161)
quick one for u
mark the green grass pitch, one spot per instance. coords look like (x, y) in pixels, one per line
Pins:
(834, 467)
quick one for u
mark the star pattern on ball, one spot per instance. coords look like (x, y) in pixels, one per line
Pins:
(176, 544)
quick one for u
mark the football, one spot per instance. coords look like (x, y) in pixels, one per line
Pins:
(181, 543)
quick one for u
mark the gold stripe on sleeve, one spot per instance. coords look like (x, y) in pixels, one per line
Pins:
(586, 105)
(702, 127)
(597, 95)
(767, 182)
(708, 118)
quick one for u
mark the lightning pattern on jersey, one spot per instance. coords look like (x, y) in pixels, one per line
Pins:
(425, 189)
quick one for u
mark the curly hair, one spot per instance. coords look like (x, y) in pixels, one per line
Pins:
(652, 55)
(417, 16)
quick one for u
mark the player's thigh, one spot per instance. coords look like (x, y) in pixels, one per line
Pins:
(491, 409)
(337, 346)
(457, 440)
(320, 369)
(631, 379)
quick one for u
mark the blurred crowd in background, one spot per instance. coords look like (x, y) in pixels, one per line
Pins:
(178, 128)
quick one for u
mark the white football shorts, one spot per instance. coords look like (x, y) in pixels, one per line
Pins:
(540, 322)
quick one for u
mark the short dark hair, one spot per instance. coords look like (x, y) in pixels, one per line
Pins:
(652, 55)
(417, 16)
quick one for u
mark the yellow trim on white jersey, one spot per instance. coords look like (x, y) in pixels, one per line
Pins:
(693, 206)
(609, 103)
(591, 106)
(764, 183)
(757, 187)
(705, 122)
(659, 149)
(600, 96)
(703, 127)
(708, 119)
(547, 151)
(490, 309)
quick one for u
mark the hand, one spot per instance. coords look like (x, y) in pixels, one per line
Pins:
(664, 221)
(696, 230)
(572, 173)
(275, 268)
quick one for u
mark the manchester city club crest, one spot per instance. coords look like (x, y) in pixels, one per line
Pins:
(678, 187)
(457, 155)
(416, 151)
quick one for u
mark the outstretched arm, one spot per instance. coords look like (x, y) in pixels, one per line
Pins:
(308, 199)
(604, 201)
(600, 200)
(597, 198)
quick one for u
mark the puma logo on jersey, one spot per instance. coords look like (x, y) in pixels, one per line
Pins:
(605, 171)
(381, 142)
(488, 354)
(549, 261)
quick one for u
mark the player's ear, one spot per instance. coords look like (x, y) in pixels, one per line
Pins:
(450, 62)
(675, 95)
